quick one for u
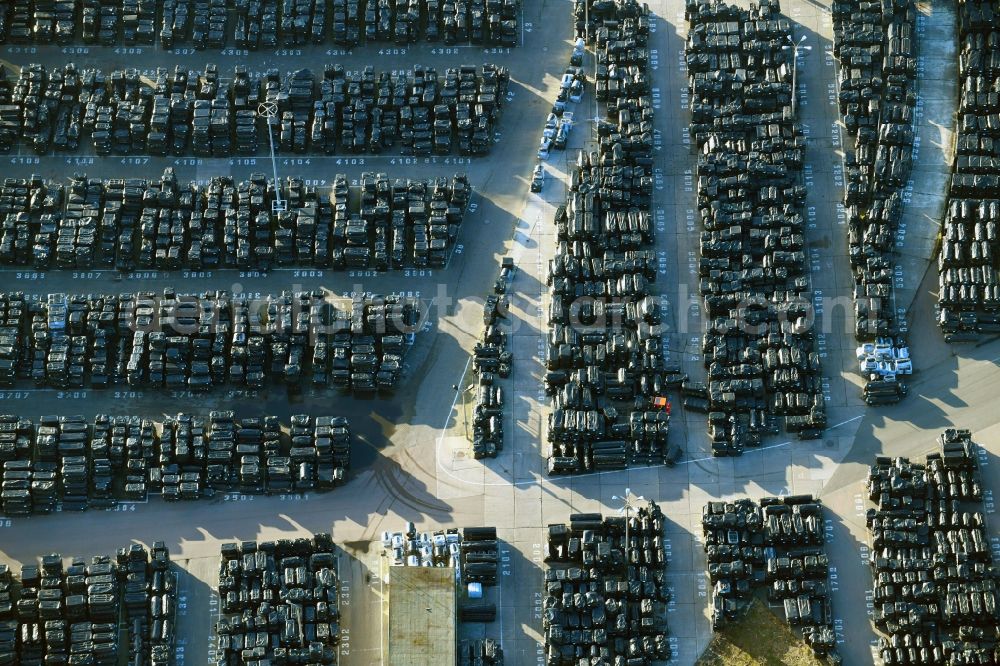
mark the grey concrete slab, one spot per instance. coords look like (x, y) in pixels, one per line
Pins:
(933, 154)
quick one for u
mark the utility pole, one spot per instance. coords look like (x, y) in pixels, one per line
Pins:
(795, 47)
(465, 409)
(629, 504)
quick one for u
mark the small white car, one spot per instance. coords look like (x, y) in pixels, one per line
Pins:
(551, 126)
(567, 119)
(543, 148)
(559, 140)
(565, 126)
(567, 81)
(559, 106)
(883, 347)
(537, 178)
(576, 91)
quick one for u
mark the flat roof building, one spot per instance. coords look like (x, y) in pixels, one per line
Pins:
(423, 612)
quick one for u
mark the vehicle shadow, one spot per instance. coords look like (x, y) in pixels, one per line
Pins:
(850, 579)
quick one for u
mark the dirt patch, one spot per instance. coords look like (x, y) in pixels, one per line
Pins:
(760, 638)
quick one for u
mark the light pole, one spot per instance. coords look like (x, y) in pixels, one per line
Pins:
(796, 46)
(269, 112)
(465, 413)
(629, 503)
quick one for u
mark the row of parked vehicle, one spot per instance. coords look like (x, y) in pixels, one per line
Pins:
(605, 357)
(473, 552)
(968, 286)
(560, 121)
(69, 463)
(935, 596)
(256, 24)
(480, 652)
(777, 544)
(211, 114)
(884, 357)
(759, 346)
(108, 611)
(876, 45)
(605, 591)
(492, 361)
(407, 21)
(125, 224)
(199, 341)
(279, 602)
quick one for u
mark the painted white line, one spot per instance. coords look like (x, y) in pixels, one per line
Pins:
(500, 607)
(747, 452)
(861, 416)
(522, 25)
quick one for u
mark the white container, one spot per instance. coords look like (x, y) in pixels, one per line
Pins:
(475, 590)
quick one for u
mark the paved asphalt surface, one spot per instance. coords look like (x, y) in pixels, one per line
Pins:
(411, 459)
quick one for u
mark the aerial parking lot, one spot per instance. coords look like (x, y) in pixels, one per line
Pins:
(624, 314)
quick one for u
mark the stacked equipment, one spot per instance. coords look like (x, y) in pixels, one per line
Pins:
(605, 598)
(777, 543)
(480, 555)
(196, 342)
(491, 360)
(604, 348)
(259, 23)
(183, 458)
(876, 45)
(206, 114)
(935, 582)
(279, 602)
(969, 291)
(759, 347)
(71, 614)
(412, 549)
(480, 652)
(127, 224)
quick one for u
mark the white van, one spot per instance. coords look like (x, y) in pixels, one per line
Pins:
(543, 148)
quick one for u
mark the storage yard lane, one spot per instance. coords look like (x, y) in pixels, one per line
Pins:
(411, 461)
